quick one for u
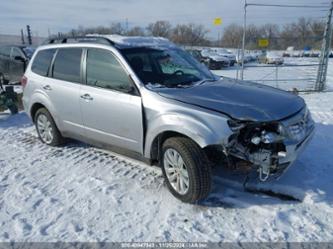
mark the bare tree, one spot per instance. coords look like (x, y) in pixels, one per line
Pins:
(300, 34)
(190, 34)
(232, 36)
(136, 31)
(160, 28)
(116, 28)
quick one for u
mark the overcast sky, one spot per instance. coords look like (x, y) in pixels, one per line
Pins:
(63, 15)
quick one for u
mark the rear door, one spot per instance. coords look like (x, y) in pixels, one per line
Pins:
(17, 64)
(63, 88)
(111, 106)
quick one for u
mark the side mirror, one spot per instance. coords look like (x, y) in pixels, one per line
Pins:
(19, 58)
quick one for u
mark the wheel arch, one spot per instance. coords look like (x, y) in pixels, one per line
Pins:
(34, 108)
(204, 130)
(158, 141)
(41, 100)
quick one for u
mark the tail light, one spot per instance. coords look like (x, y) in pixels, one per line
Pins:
(24, 81)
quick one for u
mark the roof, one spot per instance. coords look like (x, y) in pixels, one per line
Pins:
(136, 41)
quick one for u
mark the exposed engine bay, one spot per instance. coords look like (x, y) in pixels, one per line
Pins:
(269, 147)
(261, 144)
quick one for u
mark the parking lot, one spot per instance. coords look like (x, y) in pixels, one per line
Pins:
(299, 73)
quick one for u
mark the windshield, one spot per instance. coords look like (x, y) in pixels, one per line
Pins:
(169, 67)
(28, 51)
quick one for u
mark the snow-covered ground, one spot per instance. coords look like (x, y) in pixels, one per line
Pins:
(81, 193)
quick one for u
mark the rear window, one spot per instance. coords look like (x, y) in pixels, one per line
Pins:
(42, 62)
(67, 64)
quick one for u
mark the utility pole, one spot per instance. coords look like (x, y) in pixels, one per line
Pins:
(29, 35)
(22, 37)
(325, 53)
(243, 42)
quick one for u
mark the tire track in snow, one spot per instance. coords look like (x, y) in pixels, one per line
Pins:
(78, 153)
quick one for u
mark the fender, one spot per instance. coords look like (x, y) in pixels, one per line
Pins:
(205, 129)
(42, 98)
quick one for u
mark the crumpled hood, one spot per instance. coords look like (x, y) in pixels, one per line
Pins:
(240, 100)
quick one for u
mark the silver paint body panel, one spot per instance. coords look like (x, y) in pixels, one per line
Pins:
(134, 122)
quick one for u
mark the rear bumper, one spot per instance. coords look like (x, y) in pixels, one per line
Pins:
(25, 104)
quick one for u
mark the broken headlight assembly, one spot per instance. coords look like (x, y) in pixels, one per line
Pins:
(261, 144)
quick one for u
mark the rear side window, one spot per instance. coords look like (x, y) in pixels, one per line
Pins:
(67, 64)
(42, 62)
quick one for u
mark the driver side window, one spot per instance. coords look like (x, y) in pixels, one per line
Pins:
(104, 70)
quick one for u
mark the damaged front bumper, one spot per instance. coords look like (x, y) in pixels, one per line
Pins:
(271, 148)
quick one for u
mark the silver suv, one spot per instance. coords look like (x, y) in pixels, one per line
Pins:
(151, 100)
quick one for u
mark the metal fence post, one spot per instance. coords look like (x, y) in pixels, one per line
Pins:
(243, 42)
(277, 75)
(325, 52)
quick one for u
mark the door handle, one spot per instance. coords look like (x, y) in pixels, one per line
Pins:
(47, 87)
(86, 97)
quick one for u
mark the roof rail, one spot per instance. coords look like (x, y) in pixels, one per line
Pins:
(80, 39)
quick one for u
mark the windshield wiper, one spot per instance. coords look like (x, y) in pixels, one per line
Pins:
(201, 82)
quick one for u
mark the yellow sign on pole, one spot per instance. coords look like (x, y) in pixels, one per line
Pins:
(218, 21)
(263, 43)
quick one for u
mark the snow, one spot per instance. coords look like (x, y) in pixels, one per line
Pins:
(297, 73)
(80, 193)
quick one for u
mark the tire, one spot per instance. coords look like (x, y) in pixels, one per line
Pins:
(196, 165)
(13, 109)
(41, 115)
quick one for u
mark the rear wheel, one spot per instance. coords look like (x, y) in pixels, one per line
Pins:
(46, 128)
(186, 169)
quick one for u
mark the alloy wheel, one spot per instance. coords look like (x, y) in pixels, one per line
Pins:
(176, 171)
(44, 129)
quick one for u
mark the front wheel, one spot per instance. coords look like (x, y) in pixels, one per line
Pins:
(186, 169)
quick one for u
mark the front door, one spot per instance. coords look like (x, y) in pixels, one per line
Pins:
(111, 111)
